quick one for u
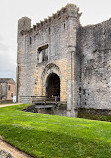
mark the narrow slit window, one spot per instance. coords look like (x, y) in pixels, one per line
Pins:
(49, 30)
(24, 23)
(64, 25)
(9, 87)
(11, 94)
(30, 40)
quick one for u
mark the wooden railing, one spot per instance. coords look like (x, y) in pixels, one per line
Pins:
(32, 99)
(6, 101)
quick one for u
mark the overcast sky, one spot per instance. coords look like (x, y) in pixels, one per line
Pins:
(94, 11)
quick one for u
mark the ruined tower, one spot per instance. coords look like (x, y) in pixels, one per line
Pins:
(47, 51)
(24, 25)
(59, 57)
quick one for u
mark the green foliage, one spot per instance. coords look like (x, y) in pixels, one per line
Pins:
(49, 136)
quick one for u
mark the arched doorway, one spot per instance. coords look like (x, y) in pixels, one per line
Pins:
(53, 85)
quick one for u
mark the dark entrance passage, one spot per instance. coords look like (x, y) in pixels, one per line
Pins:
(53, 85)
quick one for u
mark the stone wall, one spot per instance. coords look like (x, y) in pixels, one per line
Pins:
(80, 56)
(7, 90)
(58, 35)
(11, 92)
(94, 45)
(3, 91)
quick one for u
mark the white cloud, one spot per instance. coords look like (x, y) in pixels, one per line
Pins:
(94, 11)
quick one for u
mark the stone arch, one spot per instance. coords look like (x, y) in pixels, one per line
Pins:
(52, 85)
(49, 69)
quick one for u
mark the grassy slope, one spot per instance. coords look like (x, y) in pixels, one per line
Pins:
(55, 136)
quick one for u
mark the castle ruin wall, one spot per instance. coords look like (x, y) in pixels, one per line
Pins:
(94, 45)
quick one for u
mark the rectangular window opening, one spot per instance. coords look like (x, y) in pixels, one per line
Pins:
(11, 94)
(43, 53)
(9, 87)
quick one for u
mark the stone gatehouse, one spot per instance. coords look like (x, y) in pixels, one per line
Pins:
(60, 57)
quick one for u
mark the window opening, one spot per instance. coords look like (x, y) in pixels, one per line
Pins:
(11, 94)
(43, 53)
(9, 87)
(49, 30)
(30, 40)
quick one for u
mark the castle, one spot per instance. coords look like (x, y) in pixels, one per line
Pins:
(59, 57)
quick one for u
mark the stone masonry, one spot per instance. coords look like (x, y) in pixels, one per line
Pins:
(7, 89)
(79, 56)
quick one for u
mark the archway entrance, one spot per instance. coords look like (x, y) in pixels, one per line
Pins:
(53, 85)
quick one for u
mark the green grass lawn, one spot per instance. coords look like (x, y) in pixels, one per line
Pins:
(49, 136)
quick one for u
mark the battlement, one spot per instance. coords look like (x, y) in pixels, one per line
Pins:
(70, 10)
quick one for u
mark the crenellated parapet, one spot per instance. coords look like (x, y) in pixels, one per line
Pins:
(70, 10)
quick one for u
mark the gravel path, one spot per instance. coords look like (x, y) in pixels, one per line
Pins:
(8, 151)
(4, 105)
